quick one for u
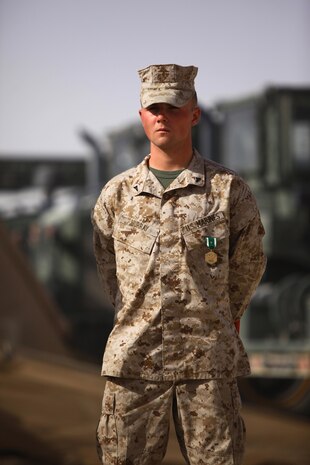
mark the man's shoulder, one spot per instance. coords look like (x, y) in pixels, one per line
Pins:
(217, 168)
(220, 173)
(117, 181)
(122, 177)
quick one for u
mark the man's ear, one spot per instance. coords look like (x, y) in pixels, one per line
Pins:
(196, 116)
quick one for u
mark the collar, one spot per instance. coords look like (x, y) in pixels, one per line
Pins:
(144, 181)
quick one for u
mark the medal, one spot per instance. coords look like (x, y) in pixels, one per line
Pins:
(211, 256)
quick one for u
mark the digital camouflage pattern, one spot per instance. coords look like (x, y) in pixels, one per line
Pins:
(173, 84)
(134, 423)
(174, 312)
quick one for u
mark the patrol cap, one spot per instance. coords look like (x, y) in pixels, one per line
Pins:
(173, 84)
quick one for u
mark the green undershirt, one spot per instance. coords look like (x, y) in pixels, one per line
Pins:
(166, 177)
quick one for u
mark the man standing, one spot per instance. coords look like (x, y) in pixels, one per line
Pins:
(178, 245)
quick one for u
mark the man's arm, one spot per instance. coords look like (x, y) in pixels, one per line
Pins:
(247, 259)
(102, 221)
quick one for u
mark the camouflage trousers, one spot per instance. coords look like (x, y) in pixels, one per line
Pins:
(134, 424)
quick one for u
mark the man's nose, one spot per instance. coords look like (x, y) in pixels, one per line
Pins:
(161, 114)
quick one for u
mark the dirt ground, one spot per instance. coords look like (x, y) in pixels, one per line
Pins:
(49, 412)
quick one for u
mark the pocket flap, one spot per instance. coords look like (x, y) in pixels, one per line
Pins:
(135, 233)
(194, 233)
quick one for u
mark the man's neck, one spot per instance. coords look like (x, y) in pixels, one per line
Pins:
(170, 160)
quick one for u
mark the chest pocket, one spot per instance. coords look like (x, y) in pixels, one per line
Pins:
(194, 233)
(135, 234)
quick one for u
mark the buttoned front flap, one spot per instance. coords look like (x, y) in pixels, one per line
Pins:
(135, 234)
(213, 226)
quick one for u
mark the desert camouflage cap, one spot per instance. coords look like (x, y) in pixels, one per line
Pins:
(173, 84)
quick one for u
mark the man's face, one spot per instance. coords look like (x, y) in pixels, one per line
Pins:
(169, 127)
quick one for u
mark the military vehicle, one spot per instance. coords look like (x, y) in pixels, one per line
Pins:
(45, 203)
(266, 139)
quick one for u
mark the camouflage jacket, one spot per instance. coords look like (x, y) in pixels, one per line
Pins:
(174, 311)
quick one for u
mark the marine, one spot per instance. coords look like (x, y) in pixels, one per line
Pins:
(179, 260)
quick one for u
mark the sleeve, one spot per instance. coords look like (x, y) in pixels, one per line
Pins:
(247, 260)
(103, 219)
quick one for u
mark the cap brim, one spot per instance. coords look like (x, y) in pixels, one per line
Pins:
(176, 98)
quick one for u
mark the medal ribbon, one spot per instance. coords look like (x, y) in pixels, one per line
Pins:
(210, 242)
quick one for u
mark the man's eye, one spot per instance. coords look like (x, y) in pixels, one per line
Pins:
(153, 109)
(156, 109)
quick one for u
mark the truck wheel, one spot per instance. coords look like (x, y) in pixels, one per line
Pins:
(290, 394)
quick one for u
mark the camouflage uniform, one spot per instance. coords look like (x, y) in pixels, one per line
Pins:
(174, 311)
(134, 425)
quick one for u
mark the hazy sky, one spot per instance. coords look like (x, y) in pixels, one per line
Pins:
(68, 64)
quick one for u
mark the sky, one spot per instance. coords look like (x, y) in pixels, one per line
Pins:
(66, 65)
